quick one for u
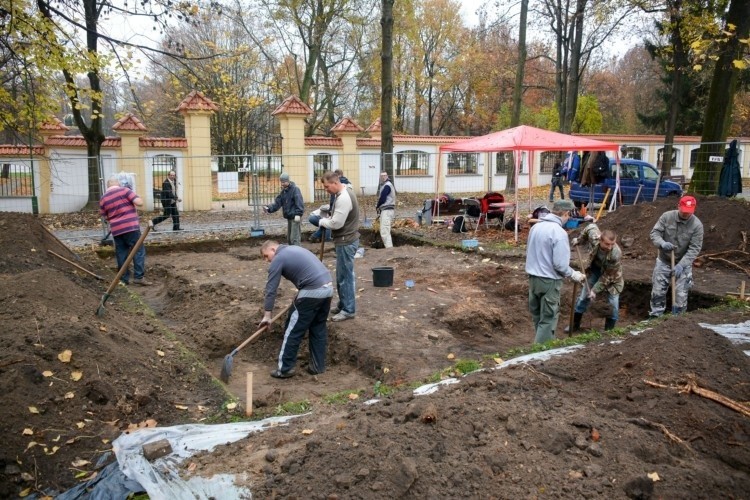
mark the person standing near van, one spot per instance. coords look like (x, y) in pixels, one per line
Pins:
(558, 178)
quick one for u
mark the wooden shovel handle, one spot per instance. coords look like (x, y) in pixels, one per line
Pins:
(127, 262)
(262, 329)
(572, 309)
(75, 265)
(583, 270)
(674, 283)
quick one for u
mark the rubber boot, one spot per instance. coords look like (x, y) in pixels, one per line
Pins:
(609, 324)
(576, 323)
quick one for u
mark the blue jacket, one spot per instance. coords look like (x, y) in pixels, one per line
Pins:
(290, 200)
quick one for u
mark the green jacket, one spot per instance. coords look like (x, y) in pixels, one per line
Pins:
(610, 262)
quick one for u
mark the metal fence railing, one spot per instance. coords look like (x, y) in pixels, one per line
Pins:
(69, 184)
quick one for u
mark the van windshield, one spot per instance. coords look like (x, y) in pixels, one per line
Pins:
(650, 173)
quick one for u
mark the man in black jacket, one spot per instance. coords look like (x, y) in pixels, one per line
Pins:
(169, 200)
(292, 205)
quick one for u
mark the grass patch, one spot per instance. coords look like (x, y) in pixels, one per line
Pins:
(464, 366)
(580, 339)
(342, 397)
(292, 408)
(382, 390)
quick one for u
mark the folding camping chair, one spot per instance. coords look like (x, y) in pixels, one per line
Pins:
(488, 212)
(472, 212)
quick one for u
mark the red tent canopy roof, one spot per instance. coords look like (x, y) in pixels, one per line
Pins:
(525, 138)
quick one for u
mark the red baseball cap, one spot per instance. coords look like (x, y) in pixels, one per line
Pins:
(687, 204)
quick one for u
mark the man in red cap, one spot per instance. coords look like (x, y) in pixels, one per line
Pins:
(679, 233)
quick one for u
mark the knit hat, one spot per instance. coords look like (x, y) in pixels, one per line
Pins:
(687, 204)
(325, 208)
(284, 177)
(563, 206)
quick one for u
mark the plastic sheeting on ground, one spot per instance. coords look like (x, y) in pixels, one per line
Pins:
(132, 473)
(737, 334)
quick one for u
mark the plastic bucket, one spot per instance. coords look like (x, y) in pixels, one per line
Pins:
(382, 276)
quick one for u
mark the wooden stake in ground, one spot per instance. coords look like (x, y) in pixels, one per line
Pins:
(249, 390)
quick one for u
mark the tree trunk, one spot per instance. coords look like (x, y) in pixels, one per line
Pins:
(93, 134)
(417, 107)
(573, 78)
(386, 98)
(679, 63)
(705, 179)
(515, 119)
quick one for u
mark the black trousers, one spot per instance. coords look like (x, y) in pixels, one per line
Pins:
(169, 211)
(309, 315)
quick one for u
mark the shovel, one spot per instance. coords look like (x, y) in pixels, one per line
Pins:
(123, 268)
(572, 309)
(367, 224)
(674, 287)
(226, 368)
(583, 270)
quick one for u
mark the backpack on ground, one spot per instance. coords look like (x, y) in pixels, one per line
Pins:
(459, 225)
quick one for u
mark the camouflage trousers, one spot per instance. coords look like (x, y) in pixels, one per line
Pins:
(661, 280)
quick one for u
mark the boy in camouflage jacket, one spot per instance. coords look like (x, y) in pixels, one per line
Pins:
(603, 273)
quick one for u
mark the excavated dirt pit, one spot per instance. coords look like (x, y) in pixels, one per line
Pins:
(463, 305)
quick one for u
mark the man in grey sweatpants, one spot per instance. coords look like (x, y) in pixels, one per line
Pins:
(310, 308)
(679, 234)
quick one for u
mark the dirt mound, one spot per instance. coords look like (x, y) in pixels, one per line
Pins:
(724, 221)
(71, 381)
(585, 425)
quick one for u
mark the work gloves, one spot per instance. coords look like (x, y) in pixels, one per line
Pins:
(592, 295)
(578, 276)
(667, 246)
(296, 218)
(574, 242)
(265, 210)
(678, 269)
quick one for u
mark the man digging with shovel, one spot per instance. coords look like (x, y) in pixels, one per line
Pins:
(547, 263)
(679, 236)
(309, 310)
(603, 273)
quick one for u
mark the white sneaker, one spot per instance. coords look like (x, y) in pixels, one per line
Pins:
(343, 316)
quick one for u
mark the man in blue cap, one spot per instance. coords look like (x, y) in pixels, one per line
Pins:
(547, 263)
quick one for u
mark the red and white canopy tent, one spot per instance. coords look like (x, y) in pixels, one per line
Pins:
(525, 138)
